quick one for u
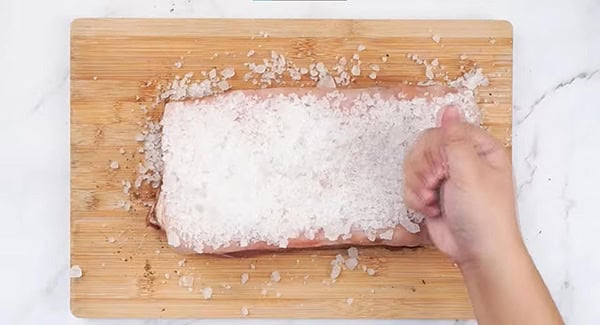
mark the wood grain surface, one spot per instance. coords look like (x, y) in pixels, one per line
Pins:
(124, 262)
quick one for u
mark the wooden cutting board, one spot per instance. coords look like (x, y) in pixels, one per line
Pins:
(128, 269)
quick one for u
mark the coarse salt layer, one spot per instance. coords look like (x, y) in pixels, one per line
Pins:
(246, 167)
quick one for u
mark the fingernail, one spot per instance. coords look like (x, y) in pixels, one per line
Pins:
(450, 115)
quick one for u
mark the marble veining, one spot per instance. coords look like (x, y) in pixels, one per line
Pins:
(586, 75)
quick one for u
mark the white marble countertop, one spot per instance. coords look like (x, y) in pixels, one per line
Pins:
(556, 137)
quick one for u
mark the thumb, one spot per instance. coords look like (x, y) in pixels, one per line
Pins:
(459, 146)
(450, 116)
(485, 145)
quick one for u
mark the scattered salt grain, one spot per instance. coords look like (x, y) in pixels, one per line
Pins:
(212, 74)
(349, 301)
(278, 294)
(374, 67)
(138, 180)
(114, 164)
(275, 277)
(167, 276)
(429, 72)
(223, 85)
(387, 235)
(207, 293)
(142, 169)
(435, 62)
(140, 137)
(361, 48)
(263, 292)
(417, 59)
(355, 70)
(125, 205)
(492, 40)
(227, 73)
(470, 80)
(173, 239)
(336, 270)
(248, 76)
(178, 64)
(250, 53)
(261, 68)
(384, 58)
(371, 271)
(321, 67)
(356, 57)
(245, 311)
(186, 281)
(75, 272)
(182, 262)
(436, 38)
(371, 236)
(252, 266)
(295, 74)
(244, 278)
(313, 70)
(373, 75)
(351, 263)
(95, 77)
(111, 239)
(353, 252)
(126, 186)
(463, 57)
(326, 81)
(122, 151)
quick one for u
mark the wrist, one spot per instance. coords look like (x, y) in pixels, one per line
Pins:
(499, 258)
(507, 289)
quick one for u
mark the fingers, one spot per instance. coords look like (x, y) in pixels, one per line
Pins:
(424, 170)
(425, 162)
(429, 208)
(457, 150)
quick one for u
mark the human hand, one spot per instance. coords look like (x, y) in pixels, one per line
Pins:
(460, 178)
